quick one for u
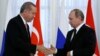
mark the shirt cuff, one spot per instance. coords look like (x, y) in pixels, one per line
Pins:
(55, 51)
(71, 53)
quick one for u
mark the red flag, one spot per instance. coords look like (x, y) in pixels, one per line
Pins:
(36, 37)
(90, 22)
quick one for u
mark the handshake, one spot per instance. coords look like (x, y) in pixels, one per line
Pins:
(46, 51)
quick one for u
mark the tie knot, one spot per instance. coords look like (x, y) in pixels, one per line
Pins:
(27, 28)
(74, 31)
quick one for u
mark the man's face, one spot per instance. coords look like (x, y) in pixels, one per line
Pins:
(73, 20)
(31, 14)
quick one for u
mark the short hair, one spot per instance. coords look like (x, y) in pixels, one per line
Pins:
(26, 5)
(79, 13)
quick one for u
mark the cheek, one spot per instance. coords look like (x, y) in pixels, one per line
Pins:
(76, 21)
(31, 17)
(28, 15)
(73, 22)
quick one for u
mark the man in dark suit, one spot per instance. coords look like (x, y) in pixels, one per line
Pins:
(81, 40)
(17, 42)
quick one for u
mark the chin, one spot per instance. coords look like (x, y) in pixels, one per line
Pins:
(72, 26)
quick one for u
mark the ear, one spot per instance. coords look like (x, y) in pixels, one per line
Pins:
(80, 17)
(26, 11)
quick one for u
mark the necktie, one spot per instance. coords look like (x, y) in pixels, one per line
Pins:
(74, 33)
(27, 28)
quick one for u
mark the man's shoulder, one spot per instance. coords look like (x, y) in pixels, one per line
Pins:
(87, 28)
(70, 31)
(14, 19)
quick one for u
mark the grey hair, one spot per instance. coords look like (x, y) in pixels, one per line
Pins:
(79, 13)
(26, 5)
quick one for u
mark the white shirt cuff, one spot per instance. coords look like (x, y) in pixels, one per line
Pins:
(71, 53)
(55, 51)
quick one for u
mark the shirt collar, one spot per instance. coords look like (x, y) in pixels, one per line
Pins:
(77, 28)
(23, 19)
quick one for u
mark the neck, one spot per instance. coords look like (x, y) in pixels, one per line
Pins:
(22, 14)
(78, 24)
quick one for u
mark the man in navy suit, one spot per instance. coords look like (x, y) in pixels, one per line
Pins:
(17, 42)
(81, 40)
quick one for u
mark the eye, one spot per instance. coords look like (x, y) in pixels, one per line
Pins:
(70, 18)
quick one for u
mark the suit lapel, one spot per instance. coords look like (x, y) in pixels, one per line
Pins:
(78, 33)
(22, 26)
(69, 36)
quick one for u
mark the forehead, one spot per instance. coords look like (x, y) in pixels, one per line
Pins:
(72, 14)
(33, 8)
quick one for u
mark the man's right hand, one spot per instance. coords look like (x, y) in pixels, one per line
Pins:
(53, 50)
(68, 54)
(44, 50)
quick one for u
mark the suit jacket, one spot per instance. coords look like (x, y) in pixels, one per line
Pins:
(17, 41)
(83, 44)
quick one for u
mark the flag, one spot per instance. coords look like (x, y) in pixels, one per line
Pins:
(62, 27)
(60, 39)
(3, 41)
(36, 37)
(8, 17)
(90, 22)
